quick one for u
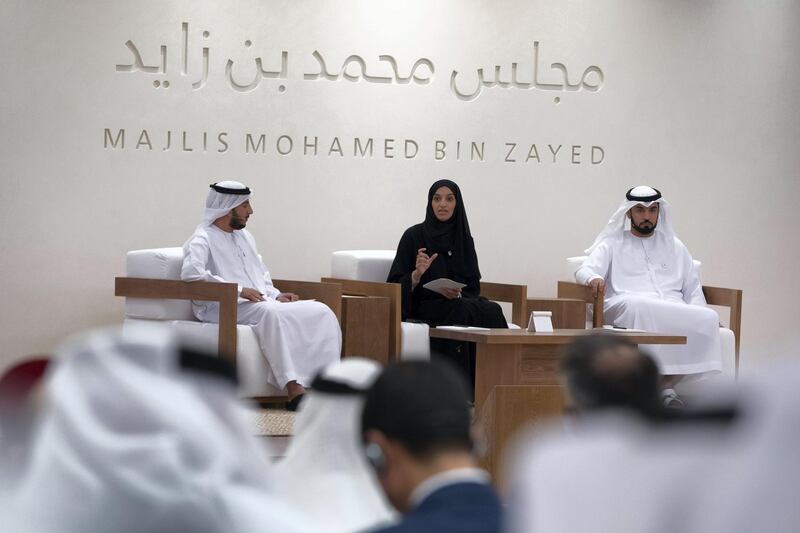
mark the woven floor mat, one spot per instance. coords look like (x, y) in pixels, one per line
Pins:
(273, 422)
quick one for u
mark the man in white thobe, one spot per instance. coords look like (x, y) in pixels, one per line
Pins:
(650, 283)
(298, 338)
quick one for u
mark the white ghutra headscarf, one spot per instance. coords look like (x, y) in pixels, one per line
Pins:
(618, 222)
(325, 471)
(224, 196)
(138, 435)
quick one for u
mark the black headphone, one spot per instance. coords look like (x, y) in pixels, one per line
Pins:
(375, 457)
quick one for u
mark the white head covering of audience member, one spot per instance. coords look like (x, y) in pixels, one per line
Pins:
(615, 472)
(325, 472)
(224, 196)
(139, 436)
(646, 196)
(757, 490)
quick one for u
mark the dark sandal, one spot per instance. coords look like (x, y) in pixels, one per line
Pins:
(294, 403)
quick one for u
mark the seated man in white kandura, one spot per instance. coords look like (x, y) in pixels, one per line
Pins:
(649, 283)
(298, 338)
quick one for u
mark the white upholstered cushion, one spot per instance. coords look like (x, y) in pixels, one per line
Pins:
(572, 265)
(156, 263)
(727, 342)
(363, 265)
(251, 365)
(414, 341)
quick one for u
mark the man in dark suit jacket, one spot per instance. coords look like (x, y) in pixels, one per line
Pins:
(416, 430)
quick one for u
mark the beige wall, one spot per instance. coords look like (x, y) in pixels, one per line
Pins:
(698, 99)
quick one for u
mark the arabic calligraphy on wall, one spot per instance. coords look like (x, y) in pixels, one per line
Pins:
(285, 145)
(356, 69)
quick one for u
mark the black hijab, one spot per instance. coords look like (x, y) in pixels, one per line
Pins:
(452, 235)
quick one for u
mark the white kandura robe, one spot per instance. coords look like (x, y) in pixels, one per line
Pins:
(298, 338)
(651, 285)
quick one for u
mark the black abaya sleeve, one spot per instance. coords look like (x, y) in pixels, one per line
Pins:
(473, 278)
(404, 264)
(473, 288)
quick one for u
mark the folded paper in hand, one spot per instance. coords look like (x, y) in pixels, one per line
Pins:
(443, 283)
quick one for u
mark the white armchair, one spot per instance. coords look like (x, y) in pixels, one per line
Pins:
(407, 340)
(364, 273)
(153, 291)
(715, 297)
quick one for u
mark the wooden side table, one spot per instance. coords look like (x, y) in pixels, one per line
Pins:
(365, 327)
(520, 357)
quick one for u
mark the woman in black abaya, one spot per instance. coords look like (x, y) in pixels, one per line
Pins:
(442, 247)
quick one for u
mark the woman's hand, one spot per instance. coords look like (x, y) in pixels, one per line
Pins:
(423, 262)
(451, 294)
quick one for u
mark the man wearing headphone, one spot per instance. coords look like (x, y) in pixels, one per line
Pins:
(416, 430)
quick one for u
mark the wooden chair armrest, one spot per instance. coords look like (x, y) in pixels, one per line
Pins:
(568, 313)
(722, 296)
(731, 298)
(328, 293)
(354, 287)
(224, 293)
(569, 289)
(174, 289)
(506, 292)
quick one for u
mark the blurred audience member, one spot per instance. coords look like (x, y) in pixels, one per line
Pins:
(325, 472)
(18, 381)
(603, 370)
(136, 435)
(416, 429)
(19, 390)
(725, 468)
(757, 486)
